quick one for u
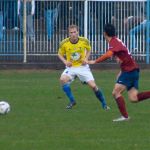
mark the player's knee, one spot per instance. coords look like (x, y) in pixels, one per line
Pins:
(133, 98)
(116, 94)
(63, 80)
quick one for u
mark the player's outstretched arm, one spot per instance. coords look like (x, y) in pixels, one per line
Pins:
(91, 62)
(107, 55)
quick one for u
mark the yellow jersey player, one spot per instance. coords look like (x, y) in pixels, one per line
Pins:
(74, 52)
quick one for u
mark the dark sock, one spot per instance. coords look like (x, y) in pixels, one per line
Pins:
(143, 96)
(121, 105)
(67, 90)
(99, 94)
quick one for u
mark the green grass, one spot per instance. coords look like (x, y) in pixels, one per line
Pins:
(39, 121)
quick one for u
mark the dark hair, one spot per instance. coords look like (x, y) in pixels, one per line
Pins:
(109, 29)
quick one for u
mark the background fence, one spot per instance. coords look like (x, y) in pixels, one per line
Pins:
(52, 18)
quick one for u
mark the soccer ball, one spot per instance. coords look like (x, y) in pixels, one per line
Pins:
(4, 107)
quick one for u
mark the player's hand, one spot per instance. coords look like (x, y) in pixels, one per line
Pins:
(84, 62)
(91, 62)
(68, 63)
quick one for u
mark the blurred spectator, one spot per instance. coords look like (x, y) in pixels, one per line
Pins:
(30, 10)
(1, 25)
(8, 17)
(76, 15)
(136, 26)
(51, 15)
(140, 25)
(5, 8)
(13, 15)
(99, 16)
(3, 13)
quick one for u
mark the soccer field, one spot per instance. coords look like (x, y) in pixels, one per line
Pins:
(38, 119)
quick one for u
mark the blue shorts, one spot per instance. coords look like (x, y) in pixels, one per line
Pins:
(129, 79)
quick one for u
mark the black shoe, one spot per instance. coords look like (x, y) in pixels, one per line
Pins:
(70, 105)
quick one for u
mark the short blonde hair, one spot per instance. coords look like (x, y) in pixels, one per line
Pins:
(73, 26)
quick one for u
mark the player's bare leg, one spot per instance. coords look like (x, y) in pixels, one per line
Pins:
(132, 94)
(135, 96)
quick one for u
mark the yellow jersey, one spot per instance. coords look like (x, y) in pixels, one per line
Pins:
(74, 52)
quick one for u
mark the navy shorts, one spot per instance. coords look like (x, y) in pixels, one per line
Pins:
(129, 79)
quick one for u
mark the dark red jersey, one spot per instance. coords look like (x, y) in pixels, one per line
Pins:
(120, 51)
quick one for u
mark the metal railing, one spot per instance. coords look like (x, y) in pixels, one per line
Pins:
(52, 18)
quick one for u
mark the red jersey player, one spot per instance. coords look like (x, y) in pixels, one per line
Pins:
(128, 77)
